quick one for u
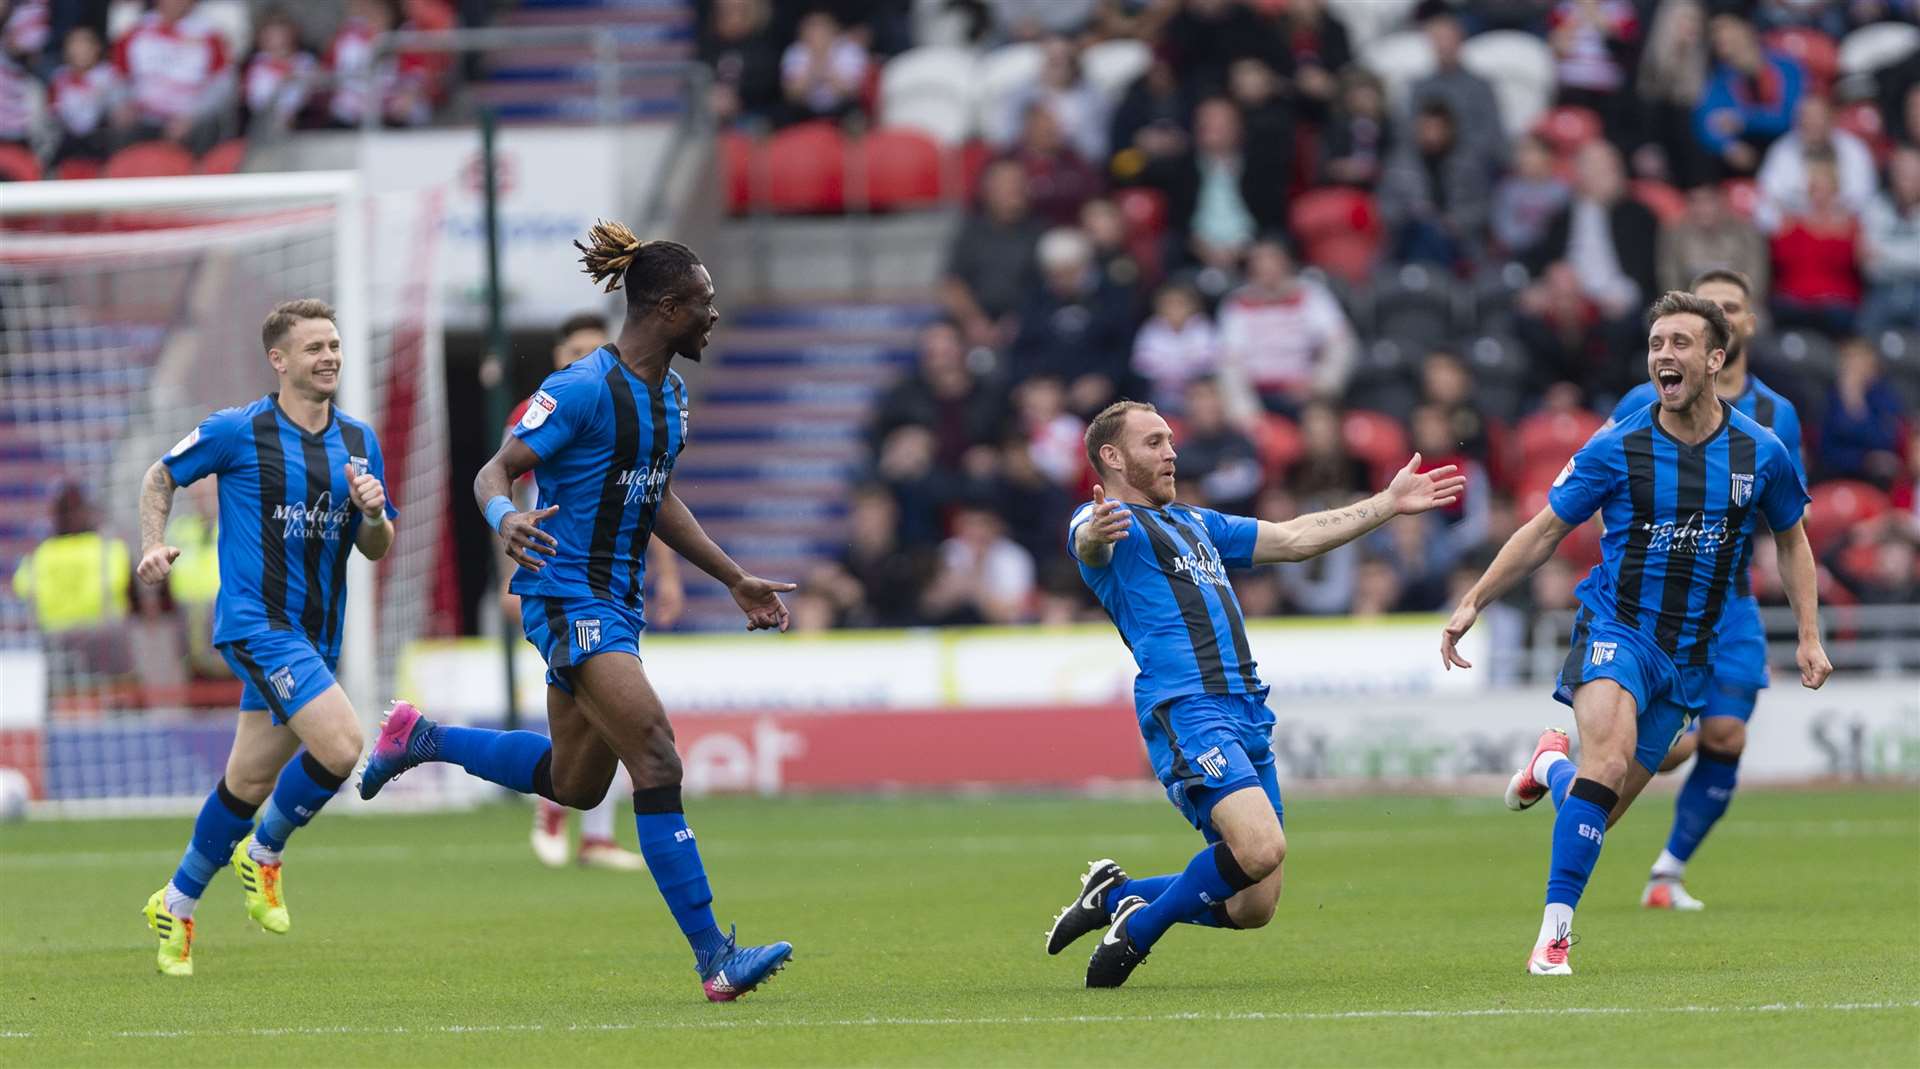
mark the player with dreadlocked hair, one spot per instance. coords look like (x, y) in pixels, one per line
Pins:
(603, 434)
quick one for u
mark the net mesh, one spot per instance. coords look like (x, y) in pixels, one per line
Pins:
(119, 330)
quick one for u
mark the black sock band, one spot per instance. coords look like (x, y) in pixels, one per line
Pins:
(235, 804)
(1230, 870)
(543, 778)
(1718, 757)
(1593, 791)
(1221, 918)
(657, 800)
(319, 772)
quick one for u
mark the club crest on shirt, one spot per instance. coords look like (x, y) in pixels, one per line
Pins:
(360, 465)
(1742, 489)
(683, 425)
(539, 408)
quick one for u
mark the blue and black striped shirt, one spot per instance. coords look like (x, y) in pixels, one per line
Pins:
(287, 520)
(1679, 521)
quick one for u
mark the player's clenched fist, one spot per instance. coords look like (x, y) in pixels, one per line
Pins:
(1110, 519)
(366, 493)
(155, 563)
(526, 542)
(1814, 665)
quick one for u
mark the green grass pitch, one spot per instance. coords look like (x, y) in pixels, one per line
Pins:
(1401, 940)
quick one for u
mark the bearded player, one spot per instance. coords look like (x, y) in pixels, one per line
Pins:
(1160, 570)
(1680, 484)
(602, 435)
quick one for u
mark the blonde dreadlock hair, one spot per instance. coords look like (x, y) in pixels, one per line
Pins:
(649, 270)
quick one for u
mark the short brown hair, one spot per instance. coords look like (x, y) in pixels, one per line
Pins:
(1679, 302)
(1722, 274)
(1106, 427)
(287, 313)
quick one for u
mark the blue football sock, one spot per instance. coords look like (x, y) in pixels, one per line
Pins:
(1578, 830)
(1212, 877)
(1560, 777)
(224, 820)
(1151, 887)
(304, 786)
(674, 859)
(513, 759)
(1703, 800)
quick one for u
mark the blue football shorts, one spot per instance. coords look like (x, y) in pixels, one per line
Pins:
(279, 671)
(567, 631)
(1207, 746)
(1668, 698)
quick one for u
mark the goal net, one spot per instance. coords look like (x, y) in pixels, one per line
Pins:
(128, 311)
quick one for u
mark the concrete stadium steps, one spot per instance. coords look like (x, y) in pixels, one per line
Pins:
(779, 435)
(557, 84)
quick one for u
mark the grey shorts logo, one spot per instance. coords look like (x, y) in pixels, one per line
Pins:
(282, 682)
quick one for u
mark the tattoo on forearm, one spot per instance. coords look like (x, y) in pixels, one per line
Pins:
(156, 501)
(1335, 519)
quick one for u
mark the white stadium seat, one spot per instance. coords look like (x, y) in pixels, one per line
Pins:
(1004, 73)
(1400, 59)
(1113, 65)
(1369, 20)
(930, 88)
(1520, 66)
(1881, 44)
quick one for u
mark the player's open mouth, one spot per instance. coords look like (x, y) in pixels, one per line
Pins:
(327, 374)
(1668, 381)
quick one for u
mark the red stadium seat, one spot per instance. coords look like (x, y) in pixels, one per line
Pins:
(1863, 120)
(76, 169)
(738, 158)
(1376, 438)
(224, 158)
(150, 159)
(973, 160)
(807, 167)
(902, 168)
(1581, 548)
(1279, 443)
(1838, 506)
(1816, 53)
(18, 165)
(1660, 198)
(1552, 437)
(1565, 129)
(1339, 231)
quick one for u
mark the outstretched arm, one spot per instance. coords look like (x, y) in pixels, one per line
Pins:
(1527, 550)
(758, 598)
(1306, 537)
(156, 503)
(1801, 578)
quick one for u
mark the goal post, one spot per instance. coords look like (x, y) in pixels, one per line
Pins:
(129, 309)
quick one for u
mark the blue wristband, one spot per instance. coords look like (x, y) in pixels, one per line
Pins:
(498, 508)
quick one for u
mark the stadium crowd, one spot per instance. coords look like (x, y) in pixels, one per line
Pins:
(71, 97)
(1684, 135)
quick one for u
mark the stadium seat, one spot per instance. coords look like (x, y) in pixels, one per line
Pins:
(1338, 230)
(1376, 438)
(1808, 354)
(901, 167)
(1399, 59)
(739, 156)
(930, 88)
(1661, 199)
(1278, 440)
(1549, 438)
(1521, 68)
(974, 157)
(1877, 45)
(224, 158)
(1113, 65)
(1816, 53)
(1004, 73)
(1838, 506)
(1414, 302)
(1369, 20)
(1565, 129)
(150, 159)
(17, 164)
(806, 167)
(77, 169)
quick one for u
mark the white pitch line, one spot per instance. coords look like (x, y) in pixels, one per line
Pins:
(951, 1022)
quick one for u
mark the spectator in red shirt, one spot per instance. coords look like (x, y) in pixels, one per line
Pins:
(175, 63)
(279, 76)
(1059, 180)
(399, 84)
(1816, 277)
(88, 98)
